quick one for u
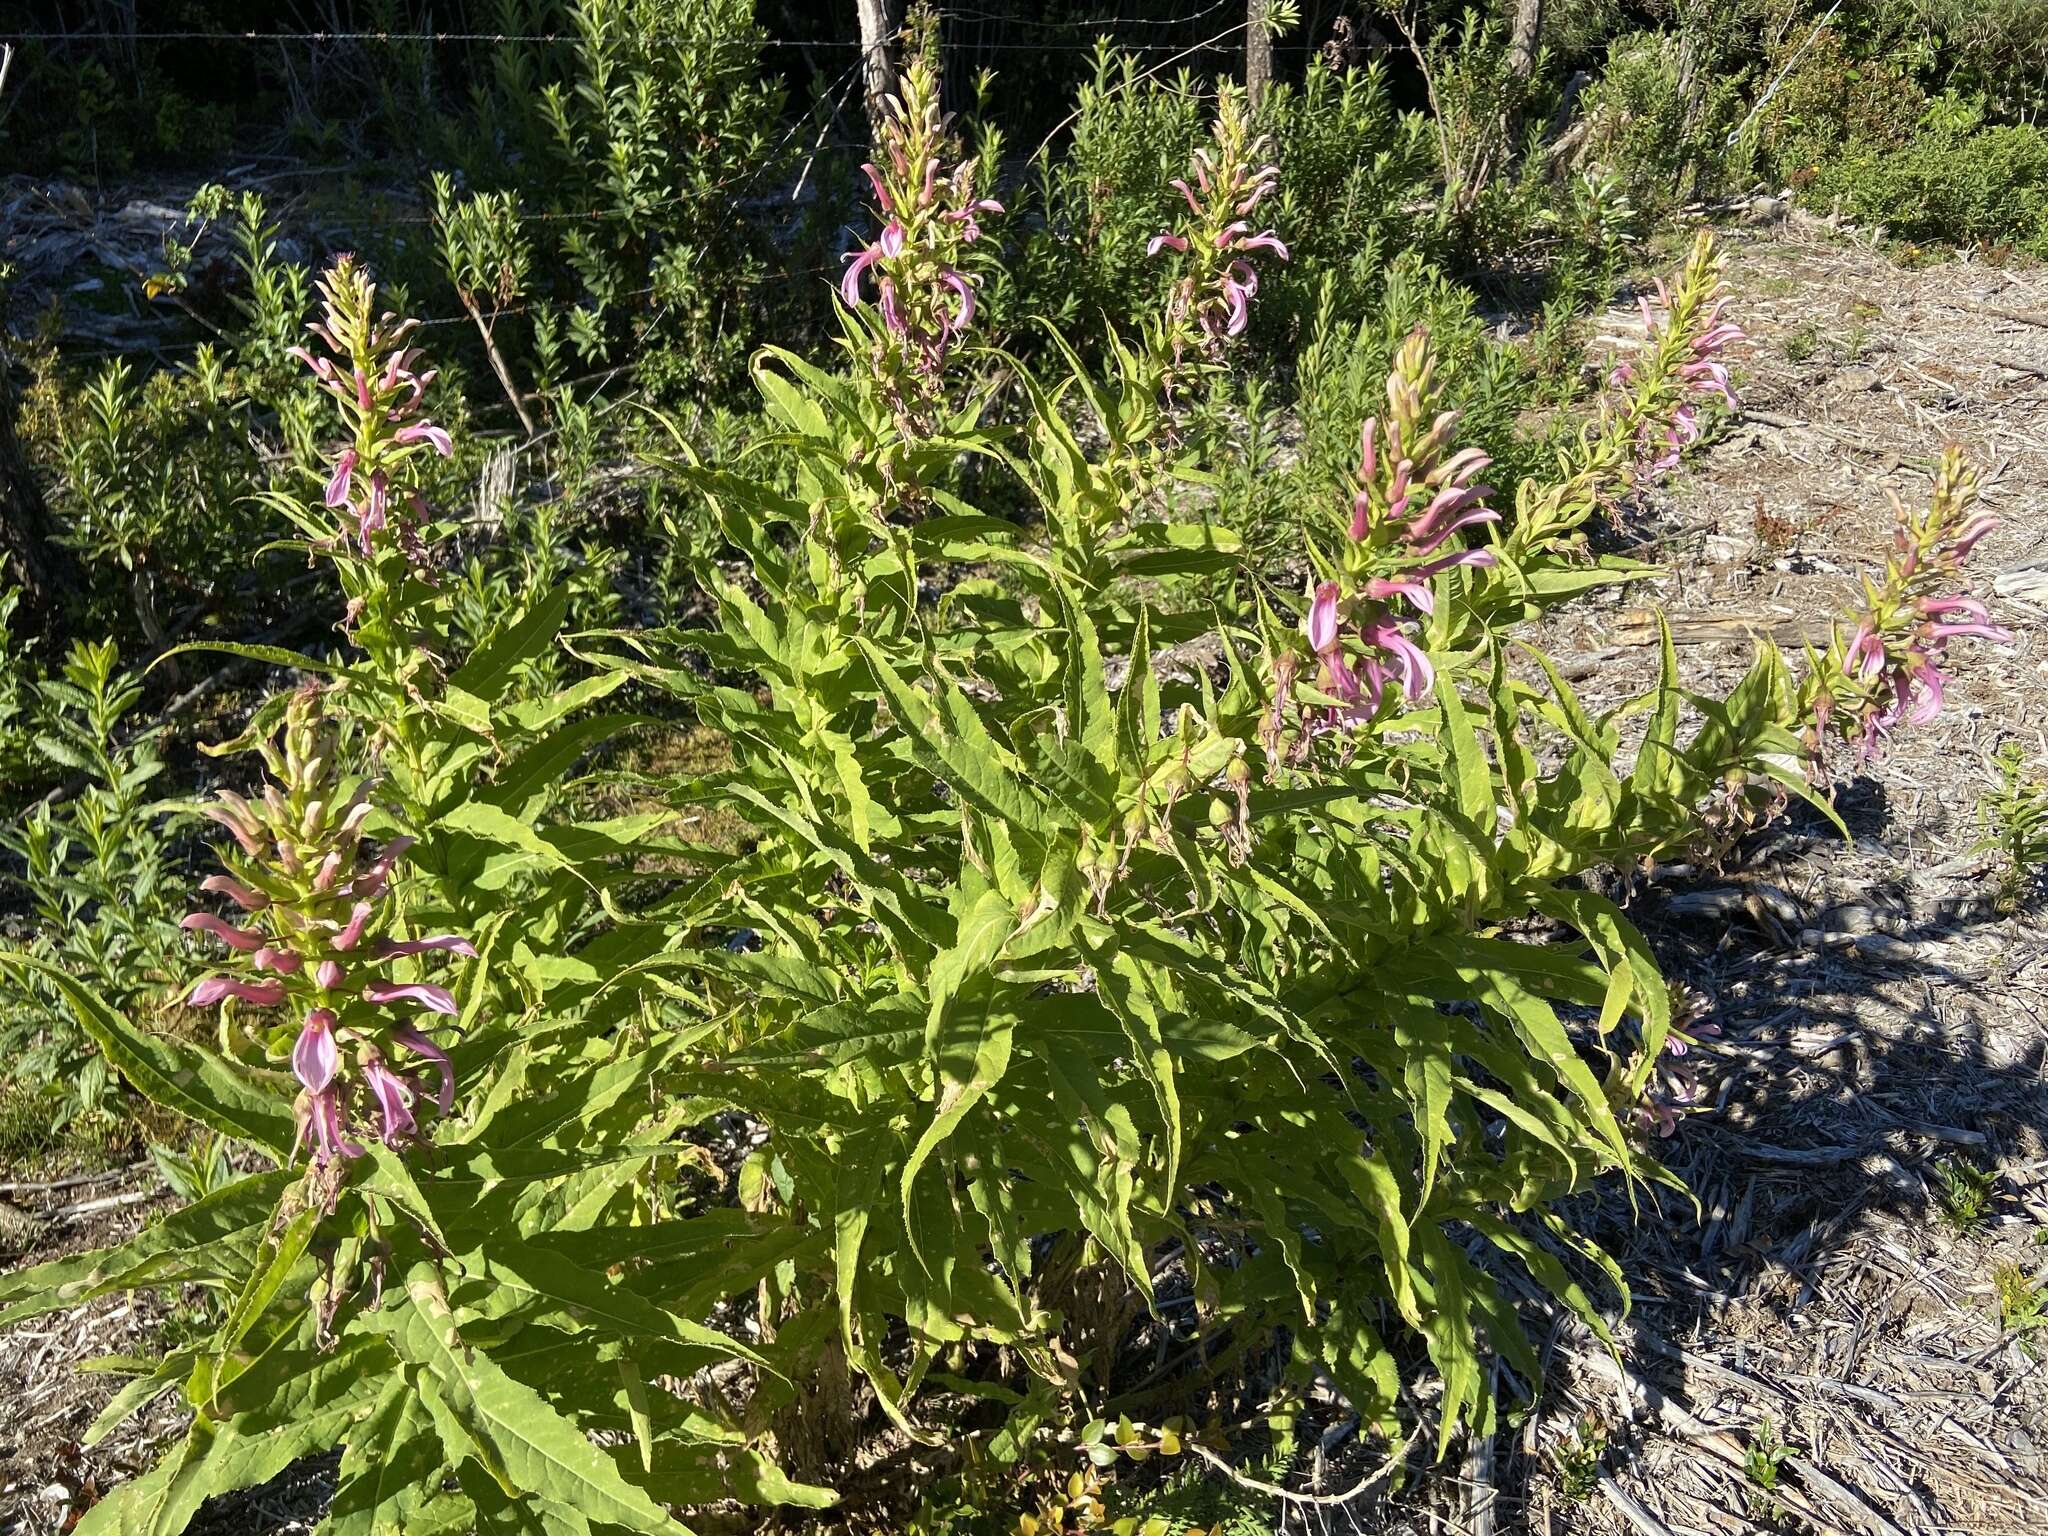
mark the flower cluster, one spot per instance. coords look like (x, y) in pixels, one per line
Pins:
(1684, 338)
(1213, 297)
(1413, 497)
(373, 375)
(1888, 668)
(930, 215)
(312, 899)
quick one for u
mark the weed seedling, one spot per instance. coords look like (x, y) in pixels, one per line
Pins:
(2022, 1304)
(1963, 1192)
(1579, 1458)
(1763, 1463)
(2014, 815)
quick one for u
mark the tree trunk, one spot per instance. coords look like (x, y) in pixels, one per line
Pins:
(1258, 53)
(878, 26)
(1526, 41)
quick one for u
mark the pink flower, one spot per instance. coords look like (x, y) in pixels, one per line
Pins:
(1407, 660)
(393, 949)
(329, 976)
(1166, 242)
(235, 938)
(1417, 592)
(961, 286)
(315, 1056)
(874, 177)
(394, 1097)
(240, 894)
(352, 931)
(434, 999)
(320, 1124)
(426, 432)
(1322, 618)
(338, 482)
(849, 282)
(416, 1042)
(257, 994)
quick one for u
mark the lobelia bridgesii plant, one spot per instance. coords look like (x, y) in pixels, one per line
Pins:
(1414, 496)
(1069, 1010)
(1100, 504)
(1211, 299)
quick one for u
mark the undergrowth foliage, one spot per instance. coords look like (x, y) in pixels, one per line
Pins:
(1069, 941)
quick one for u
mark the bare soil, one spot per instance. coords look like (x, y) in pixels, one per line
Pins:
(1879, 1018)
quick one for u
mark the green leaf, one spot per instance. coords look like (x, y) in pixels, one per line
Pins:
(491, 665)
(537, 769)
(390, 1468)
(179, 1076)
(527, 1447)
(274, 655)
(208, 1237)
(587, 1298)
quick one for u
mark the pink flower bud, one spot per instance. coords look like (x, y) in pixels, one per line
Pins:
(235, 938)
(257, 994)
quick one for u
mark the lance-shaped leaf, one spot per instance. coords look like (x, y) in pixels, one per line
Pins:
(183, 1077)
(528, 1448)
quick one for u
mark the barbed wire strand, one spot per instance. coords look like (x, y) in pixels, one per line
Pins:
(499, 38)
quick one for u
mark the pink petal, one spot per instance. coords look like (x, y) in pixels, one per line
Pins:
(881, 192)
(416, 1042)
(394, 1098)
(392, 949)
(338, 482)
(315, 1055)
(241, 895)
(961, 286)
(235, 938)
(280, 961)
(258, 994)
(434, 999)
(350, 934)
(427, 432)
(849, 283)
(1322, 619)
